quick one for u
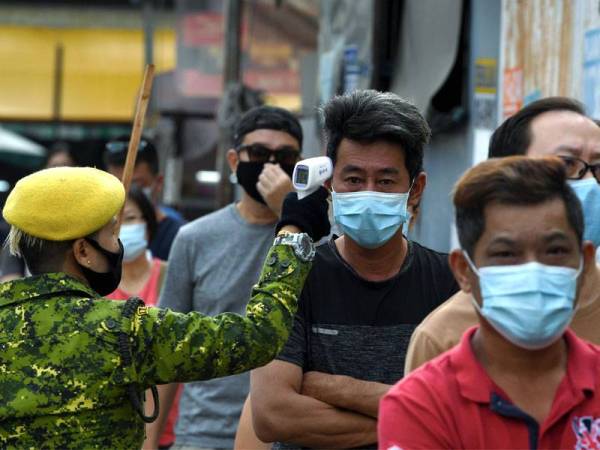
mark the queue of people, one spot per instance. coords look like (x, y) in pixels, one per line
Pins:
(369, 339)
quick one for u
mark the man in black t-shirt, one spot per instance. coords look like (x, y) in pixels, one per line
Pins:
(368, 289)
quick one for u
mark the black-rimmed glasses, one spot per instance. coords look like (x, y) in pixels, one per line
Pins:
(577, 168)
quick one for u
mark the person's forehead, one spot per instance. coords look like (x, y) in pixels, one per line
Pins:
(115, 170)
(59, 159)
(131, 206)
(273, 139)
(555, 129)
(370, 155)
(142, 170)
(526, 222)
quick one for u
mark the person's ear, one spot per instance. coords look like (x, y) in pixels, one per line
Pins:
(417, 189)
(462, 270)
(159, 183)
(81, 252)
(232, 159)
(327, 185)
(589, 257)
(588, 278)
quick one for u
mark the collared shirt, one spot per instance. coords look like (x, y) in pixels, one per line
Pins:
(452, 403)
(442, 328)
(68, 356)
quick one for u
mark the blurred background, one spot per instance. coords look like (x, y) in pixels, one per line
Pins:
(70, 70)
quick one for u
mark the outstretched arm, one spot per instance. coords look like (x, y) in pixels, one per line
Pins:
(186, 347)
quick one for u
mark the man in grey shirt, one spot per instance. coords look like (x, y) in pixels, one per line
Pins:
(217, 258)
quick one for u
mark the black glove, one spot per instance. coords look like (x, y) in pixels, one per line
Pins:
(308, 214)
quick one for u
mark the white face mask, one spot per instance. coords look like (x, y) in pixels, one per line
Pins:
(529, 304)
(370, 218)
(133, 237)
(588, 192)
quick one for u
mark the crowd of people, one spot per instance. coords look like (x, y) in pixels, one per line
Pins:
(368, 339)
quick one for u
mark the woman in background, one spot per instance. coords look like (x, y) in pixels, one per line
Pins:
(142, 274)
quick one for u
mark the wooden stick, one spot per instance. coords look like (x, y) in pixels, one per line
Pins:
(136, 132)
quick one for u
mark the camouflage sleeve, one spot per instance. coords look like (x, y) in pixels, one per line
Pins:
(184, 347)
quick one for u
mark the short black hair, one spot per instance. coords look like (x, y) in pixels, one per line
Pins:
(514, 180)
(513, 137)
(136, 194)
(267, 118)
(45, 256)
(367, 116)
(115, 153)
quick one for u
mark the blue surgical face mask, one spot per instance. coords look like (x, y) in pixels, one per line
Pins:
(588, 192)
(370, 218)
(133, 237)
(529, 304)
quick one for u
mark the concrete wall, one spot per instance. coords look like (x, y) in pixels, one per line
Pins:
(450, 154)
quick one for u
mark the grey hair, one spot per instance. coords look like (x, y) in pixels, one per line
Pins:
(369, 116)
(17, 237)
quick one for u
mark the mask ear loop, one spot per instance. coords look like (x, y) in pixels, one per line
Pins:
(476, 272)
(470, 262)
(412, 183)
(580, 269)
(579, 272)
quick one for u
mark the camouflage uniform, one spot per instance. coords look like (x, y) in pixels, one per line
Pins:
(64, 378)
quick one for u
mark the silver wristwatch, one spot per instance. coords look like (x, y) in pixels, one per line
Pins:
(303, 246)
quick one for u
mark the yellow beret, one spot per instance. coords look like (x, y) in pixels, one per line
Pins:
(64, 203)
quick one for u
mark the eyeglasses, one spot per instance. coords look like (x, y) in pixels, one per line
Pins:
(577, 168)
(260, 153)
(122, 146)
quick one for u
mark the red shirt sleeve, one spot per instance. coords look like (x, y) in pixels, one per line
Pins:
(410, 417)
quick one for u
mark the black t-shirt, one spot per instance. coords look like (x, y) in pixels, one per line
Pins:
(346, 325)
(166, 231)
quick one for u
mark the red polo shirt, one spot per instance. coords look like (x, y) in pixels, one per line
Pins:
(451, 402)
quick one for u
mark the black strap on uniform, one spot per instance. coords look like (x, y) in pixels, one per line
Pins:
(137, 399)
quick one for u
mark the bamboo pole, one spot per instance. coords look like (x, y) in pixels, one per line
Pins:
(136, 132)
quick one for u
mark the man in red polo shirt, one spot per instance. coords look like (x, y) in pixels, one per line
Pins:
(520, 379)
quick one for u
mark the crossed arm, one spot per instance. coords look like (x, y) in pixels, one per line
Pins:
(314, 409)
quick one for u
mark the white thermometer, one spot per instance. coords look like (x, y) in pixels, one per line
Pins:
(309, 174)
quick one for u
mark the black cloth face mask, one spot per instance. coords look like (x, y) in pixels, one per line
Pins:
(247, 174)
(105, 282)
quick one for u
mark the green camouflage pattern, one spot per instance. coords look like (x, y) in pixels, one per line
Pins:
(62, 377)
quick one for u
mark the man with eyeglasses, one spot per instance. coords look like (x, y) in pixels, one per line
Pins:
(218, 257)
(146, 174)
(521, 378)
(555, 126)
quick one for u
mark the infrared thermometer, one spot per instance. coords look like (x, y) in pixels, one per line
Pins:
(310, 174)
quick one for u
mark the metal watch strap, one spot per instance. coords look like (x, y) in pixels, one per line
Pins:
(302, 244)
